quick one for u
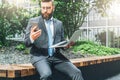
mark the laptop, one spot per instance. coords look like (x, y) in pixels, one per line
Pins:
(73, 38)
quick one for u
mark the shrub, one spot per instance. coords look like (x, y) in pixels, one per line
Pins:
(12, 20)
(20, 47)
(87, 47)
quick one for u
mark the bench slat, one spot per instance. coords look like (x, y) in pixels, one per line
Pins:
(21, 70)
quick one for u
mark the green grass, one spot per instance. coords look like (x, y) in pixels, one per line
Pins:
(87, 47)
(20, 47)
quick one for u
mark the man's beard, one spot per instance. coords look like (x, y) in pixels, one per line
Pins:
(47, 17)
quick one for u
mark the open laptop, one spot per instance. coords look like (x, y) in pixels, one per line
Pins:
(73, 38)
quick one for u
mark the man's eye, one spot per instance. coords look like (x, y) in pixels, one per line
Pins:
(46, 7)
(43, 7)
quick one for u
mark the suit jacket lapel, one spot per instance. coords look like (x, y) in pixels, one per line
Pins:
(42, 24)
(55, 27)
(43, 27)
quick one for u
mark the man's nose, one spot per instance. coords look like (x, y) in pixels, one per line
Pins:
(45, 10)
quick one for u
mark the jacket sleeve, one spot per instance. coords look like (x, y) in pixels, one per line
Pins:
(27, 40)
(62, 32)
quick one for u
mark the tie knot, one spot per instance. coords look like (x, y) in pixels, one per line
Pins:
(49, 20)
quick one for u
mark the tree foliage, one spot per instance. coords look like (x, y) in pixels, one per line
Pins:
(101, 6)
(12, 21)
(74, 12)
(71, 13)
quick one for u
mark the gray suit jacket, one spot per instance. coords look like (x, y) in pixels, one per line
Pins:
(39, 48)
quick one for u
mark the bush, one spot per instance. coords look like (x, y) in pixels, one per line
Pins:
(20, 47)
(12, 20)
(87, 47)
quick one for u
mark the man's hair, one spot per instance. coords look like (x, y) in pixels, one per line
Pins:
(47, 0)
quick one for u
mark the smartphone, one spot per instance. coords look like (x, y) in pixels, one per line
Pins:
(35, 24)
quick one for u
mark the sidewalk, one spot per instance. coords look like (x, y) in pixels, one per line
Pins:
(116, 77)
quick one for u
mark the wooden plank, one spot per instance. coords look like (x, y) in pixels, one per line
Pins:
(21, 70)
(3, 73)
(10, 73)
(3, 70)
(94, 60)
(13, 72)
(30, 70)
(18, 71)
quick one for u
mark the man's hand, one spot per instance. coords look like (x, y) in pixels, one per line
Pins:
(70, 44)
(35, 32)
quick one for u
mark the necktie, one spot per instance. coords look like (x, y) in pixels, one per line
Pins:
(50, 41)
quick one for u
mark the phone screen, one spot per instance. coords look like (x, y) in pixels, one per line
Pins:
(35, 24)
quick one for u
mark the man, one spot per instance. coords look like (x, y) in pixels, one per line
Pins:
(41, 37)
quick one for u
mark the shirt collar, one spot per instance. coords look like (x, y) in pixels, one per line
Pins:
(51, 19)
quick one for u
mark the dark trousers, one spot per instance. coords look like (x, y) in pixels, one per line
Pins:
(44, 68)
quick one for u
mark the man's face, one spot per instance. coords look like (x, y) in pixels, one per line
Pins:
(47, 9)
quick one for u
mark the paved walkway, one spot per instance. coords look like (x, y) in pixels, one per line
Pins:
(116, 77)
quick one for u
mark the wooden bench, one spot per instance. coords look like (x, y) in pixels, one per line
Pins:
(22, 70)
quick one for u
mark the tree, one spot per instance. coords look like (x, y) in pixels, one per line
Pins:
(4, 1)
(73, 12)
(101, 6)
(12, 21)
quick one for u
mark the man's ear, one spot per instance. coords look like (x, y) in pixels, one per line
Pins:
(53, 8)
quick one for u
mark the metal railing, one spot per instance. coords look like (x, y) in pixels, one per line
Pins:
(105, 35)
